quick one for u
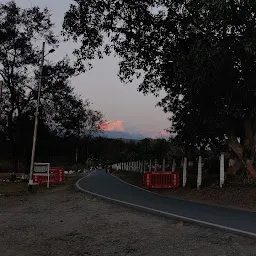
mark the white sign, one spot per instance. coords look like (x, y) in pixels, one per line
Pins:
(43, 169)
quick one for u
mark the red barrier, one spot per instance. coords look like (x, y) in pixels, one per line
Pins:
(56, 176)
(58, 173)
(161, 179)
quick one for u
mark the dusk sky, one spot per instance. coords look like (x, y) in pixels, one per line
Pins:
(124, 107)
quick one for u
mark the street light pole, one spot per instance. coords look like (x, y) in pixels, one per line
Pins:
(36, 118)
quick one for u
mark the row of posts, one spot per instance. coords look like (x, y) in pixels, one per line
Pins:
(141, 166)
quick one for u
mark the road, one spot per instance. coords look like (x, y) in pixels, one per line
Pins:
(108, 187)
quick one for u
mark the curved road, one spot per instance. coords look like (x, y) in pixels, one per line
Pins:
(106, 186)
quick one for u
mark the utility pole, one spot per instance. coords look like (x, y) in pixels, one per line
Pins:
(36, 118)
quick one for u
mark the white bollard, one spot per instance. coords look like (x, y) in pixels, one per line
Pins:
(141, 167)
(173, 165)
(199, 174)
(222, 177)
(164, 165)
(144, 166)
(185, 161)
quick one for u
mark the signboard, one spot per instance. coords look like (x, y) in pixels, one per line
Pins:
(56, 176)
(42, 169)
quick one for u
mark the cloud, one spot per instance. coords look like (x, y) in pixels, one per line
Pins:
(160, 134)
(117, 125)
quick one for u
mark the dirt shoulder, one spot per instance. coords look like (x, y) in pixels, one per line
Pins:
(66, 222)
(239, 197)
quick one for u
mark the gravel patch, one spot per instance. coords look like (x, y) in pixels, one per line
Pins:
(72, 223)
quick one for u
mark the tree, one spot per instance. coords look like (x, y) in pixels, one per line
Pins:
(202, 53)
(19, 29)
(61, 110)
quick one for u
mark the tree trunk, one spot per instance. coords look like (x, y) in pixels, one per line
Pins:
(245, 150)
(12, 137)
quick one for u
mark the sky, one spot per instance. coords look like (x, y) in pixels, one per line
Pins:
(124, 108)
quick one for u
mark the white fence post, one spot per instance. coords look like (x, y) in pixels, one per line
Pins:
(184, 172)
(199, 174)
(155, 165)
(222, 179)
(150, 165)
(163, 165)
(141, 166)
(173, 165)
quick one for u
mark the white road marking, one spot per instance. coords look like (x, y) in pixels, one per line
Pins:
(166, 214)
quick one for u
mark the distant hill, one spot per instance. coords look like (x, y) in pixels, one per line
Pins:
(122, 135)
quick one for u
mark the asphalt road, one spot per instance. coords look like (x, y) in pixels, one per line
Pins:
(107, 186)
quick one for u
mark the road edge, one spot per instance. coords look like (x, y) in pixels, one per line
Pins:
(164, 214)
(187, 200)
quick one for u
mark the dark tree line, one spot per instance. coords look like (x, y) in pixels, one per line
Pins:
(64, 117)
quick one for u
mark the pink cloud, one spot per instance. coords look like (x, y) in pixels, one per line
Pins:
(117, 125)
(159, 134)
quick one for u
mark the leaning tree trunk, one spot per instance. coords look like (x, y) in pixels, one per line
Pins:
(245, 149)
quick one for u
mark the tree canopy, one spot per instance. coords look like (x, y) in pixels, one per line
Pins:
(62, 111)
(202, 53)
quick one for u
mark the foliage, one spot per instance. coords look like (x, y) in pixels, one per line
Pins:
(198, 51)
(202, 53)
(61, 111)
